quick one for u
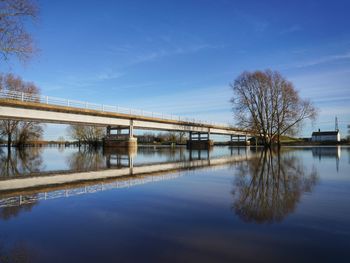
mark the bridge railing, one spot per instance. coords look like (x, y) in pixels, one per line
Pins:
(19, 200)
(35, 98)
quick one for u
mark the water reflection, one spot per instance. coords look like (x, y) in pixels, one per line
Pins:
(181, 204)
(267, 188)
(24, 204)
(107, 169)
(21, 161)
(119, 157)
(18, 252)
(34, 160)
(333, 152)
(86, 159)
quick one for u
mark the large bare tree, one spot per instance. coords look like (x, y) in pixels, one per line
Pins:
(86, 134)
(19, 131)
(268, 104)
(14, 38)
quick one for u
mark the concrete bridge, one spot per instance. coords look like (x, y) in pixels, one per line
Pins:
(31, 107)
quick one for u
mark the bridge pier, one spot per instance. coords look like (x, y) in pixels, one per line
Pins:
(239, 140)
(199, 140)
(120, 139)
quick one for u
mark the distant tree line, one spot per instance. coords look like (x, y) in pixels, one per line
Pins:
(93, 135)
(165, 137)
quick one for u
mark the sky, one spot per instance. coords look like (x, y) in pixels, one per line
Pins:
(178, 57)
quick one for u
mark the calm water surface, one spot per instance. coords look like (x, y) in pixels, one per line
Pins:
(225, 205)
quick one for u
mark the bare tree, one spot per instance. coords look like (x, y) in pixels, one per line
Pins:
(181, 137)
(20, 131)
(86, 134)
(171, 137)
(14, 39)
(28, 131)
(269, 105)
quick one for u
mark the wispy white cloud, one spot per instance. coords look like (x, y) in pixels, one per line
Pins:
(291, 29)
(172, 51)
(259, 25)
(323, 85)
(49, 87)
(107, 75)
(78, 82)
(333, 111)
(157, 47)
(90, 80)
(210, 103)
(323, 60)
(332, 99)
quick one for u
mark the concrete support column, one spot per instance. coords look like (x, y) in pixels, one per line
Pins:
(247, 143)
(131, 129)
(122, 140)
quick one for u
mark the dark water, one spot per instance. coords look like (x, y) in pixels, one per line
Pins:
(261, 207)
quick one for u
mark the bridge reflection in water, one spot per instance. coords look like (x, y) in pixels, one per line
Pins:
(91, 171)
(267, 185)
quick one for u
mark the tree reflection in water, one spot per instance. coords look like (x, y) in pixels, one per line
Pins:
(21, 161)
(87, 159)
(268, 187)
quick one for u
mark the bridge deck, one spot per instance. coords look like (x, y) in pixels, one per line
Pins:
(26, 110)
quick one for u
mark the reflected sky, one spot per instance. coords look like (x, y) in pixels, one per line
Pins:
(287, 207)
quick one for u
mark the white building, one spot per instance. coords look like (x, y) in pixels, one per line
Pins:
(325, 136)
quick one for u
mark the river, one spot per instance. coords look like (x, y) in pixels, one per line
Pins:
(163, 204)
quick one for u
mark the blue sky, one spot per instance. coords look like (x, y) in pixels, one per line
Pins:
(180, 56)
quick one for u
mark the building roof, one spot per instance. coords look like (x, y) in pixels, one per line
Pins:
(320, 133)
